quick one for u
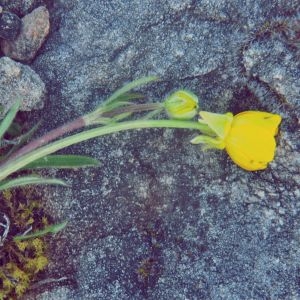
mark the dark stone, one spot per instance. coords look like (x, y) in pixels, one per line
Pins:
(10, 25)
(20, 7)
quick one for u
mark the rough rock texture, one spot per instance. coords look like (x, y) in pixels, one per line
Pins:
(20, 82)
(10, 25)
(34, 31)
(20, 7)
(268, 61)
(160, 219)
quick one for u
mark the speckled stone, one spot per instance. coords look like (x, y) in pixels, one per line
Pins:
(20, 7)
(10, 25)
(20, 82)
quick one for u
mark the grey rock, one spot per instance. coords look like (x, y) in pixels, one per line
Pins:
(160, 219)
(269, 62)
(58, 293)
(10, 25)
(20, 82)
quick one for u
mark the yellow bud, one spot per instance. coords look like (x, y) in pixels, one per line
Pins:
(181, 105)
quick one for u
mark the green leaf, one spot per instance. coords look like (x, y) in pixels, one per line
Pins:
(6, 122)
(49, 229)
(14, 129)
(29, 180)
(121, 116)
(63, 162)
(129, 96)
(152, 114)
(131, 85)
(115, 105)
(23, 139)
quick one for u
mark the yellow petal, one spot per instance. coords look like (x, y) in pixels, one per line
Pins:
(262, 119)
(250, 147)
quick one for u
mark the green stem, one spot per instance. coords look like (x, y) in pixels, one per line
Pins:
(13, 165)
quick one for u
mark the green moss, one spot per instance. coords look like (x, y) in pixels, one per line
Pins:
(21, 261)
(145, 269)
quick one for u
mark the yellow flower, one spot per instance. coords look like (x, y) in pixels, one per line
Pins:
(248, 137)
(181, 105)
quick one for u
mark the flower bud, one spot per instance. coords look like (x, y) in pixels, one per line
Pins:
(181, 105)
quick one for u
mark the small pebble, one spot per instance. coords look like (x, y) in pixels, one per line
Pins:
(33, 33)
(10, 25)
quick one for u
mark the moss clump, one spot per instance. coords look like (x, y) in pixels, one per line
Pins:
(21, 261)
(145, 269)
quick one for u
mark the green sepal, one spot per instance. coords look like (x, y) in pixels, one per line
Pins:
(208, 142)
(219, 123)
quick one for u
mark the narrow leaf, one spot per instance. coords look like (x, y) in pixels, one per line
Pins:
(131, 85)
(129, 96)
(121, 116)
(115, 105)
(49, 229)
(6, 122)
(23, 139)
(29, 180)
(14, 129)
(152, 114)
(63, 162)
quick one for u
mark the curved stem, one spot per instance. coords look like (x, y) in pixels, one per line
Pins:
(48, 137)
(13, 165)
(80, 123)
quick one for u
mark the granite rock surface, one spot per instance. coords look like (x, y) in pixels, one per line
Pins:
(19, 82)
(160, 219)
